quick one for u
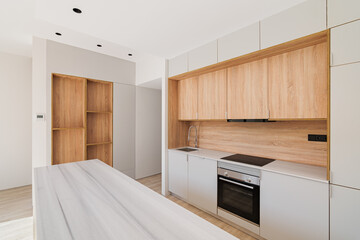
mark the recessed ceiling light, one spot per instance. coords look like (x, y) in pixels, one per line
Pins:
(57, 33)
(130, 54)
(99, 45)
(77, 10)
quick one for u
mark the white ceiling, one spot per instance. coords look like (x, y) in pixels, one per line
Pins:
(163, 28)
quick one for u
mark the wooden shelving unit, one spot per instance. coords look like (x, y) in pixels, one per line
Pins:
(82, 119)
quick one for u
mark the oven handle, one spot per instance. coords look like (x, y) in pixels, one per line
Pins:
(236, 183)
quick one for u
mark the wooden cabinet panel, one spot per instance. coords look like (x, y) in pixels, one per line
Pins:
(99, 128)
(293, 208)
(203, 56)
(298, 83)
(102, 152)
(178, 65)
(345, 43)
(303, 19)
(203, 183)
(178, 174)
(188, 99)
(340, 12)
(247, 91)
(68, 146)
(99, 96)
(212, 95)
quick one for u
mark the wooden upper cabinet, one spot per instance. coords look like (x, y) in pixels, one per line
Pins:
(247, 91)
(212, 96)
(298, 83)
(188, 95)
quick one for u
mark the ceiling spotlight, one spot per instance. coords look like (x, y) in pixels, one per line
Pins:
(77, 10)
(99, 45)
(57, 33)
(130, 54)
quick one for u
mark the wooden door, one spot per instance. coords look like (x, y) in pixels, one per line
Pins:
(212, 96)
(247, 89)
(188, 95)
(298, 83)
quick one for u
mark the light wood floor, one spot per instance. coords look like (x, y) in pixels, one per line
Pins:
(16, 212)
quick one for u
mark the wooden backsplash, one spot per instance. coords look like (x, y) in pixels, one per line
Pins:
(286, 141)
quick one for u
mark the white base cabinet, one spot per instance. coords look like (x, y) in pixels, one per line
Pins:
(344, 213)
(178, 174)
(202, 183)
(293, 208)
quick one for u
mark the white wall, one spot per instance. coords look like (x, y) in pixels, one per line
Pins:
(148, 132)
(148, 69)
(15, 124)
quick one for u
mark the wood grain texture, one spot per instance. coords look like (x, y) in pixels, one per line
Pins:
(103, 152)
(298, 83)
(188, 99)
(287, 141)
(68, 106)
(299, 43)
(99, 127)
(68, 146)
(99, 96)
(212, 95)
(247, 91)
(177, 130)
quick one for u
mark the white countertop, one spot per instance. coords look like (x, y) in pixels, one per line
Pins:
(287, 168)
(89, 200)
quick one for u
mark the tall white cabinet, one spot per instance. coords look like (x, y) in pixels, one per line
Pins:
(342, 11)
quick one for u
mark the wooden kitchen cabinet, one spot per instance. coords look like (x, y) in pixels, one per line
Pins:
(178, 174)
(293, 208)
(298, 83)
(212, 96)
(188, 99)
(247, 91)
(202, 184)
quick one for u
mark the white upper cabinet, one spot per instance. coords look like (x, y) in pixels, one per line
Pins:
(345, 213)
(345, 130)
(293, 208)
(345, 43)
(301, 20)
(178, 65)
(203, 56)
(178, 174)
(203, 183)
(342, 11)
(241, 42)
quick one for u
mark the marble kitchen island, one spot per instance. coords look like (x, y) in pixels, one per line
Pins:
(89, 200)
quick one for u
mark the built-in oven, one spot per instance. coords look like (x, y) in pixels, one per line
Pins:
(239, 193)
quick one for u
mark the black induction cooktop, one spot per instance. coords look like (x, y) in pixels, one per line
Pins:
(252, 160)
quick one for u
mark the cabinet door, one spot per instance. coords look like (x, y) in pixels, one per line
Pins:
(203, 183)
(298, 83)
(345, 130)
(212, 95)
(203, 56)
(293, 208)
(340, 12)
(345, 44)
(303, 19)
(188, 99)
(243, 41)
(178, 65)
(178, 174)
(247, 91)
(344, 212)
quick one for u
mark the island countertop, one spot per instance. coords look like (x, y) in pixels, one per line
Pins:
(89, 200)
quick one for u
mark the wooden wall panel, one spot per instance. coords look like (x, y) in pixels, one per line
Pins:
(68, 146)
(212, 95)
(188, 99)
(287, 141)
(177, 130)
(298, 83)
(99, 128)
(102, 152)
(99, 96)
(247, 91)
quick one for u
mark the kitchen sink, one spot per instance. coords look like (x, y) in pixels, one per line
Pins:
(187, 149)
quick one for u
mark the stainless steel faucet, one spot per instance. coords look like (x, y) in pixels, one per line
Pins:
(196, 139)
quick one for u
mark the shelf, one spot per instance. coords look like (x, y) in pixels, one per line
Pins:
(97, 112)
(60, 129)
(95, 144)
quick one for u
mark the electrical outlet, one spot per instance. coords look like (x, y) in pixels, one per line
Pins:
(317, 138)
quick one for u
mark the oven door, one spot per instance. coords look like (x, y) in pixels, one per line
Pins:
(240, 198)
